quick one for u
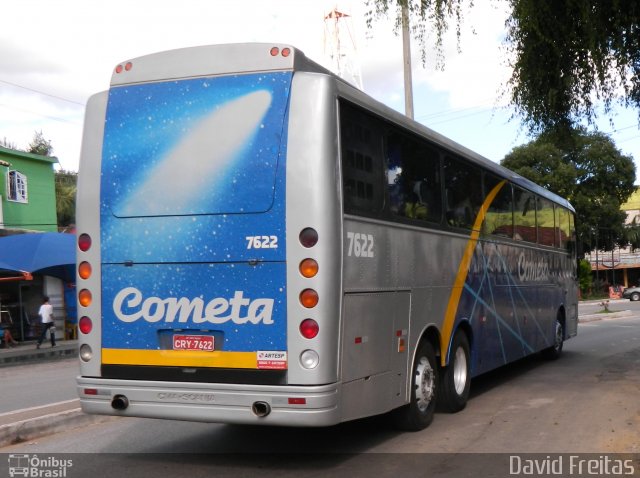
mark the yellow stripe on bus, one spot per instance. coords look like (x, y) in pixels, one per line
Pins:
(461, 276)
(180, 358)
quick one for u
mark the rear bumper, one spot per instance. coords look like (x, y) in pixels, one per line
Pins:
(223, 403)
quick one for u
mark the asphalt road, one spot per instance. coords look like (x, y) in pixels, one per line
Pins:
(585, 402)
(35, 384)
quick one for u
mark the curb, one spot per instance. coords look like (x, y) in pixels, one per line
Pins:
(27, 353)
(31, 428)
(604, 316)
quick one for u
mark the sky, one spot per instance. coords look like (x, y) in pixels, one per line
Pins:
(54, 54)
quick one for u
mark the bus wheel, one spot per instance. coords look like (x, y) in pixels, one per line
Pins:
(418, 414)
(456, 377)
(555, 350)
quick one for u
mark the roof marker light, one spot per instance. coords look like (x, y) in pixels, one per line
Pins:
(274, 51)
(286, 52)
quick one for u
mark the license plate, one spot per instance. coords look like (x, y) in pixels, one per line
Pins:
(193, 342)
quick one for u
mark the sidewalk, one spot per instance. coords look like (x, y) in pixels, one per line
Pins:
(27, 352)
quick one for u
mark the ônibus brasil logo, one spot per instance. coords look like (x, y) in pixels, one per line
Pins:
(24, 464)
(129, 305)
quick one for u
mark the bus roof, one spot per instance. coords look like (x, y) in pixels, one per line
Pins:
(212, 60)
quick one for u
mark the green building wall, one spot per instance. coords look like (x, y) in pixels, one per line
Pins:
(39, 212)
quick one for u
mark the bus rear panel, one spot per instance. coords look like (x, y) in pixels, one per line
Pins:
(195, 283)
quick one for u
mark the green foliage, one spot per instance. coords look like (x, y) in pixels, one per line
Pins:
(568, 56)
(585, 279)
(40, 145)
(66, 197)
(431, 16)
(588, 170)
(5, 143)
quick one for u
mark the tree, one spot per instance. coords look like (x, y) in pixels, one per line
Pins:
(567, 56)
(585, 278)
(40, 145)
(66, 197)
(5, 143)
(588, 170)
(435, 14)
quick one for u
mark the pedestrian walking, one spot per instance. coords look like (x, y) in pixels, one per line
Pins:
(46, 314)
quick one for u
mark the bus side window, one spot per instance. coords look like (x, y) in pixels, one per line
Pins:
(463, 190)
(413, 179)
(524, 215)
(361, 161)
(545, 220)
(499, 218)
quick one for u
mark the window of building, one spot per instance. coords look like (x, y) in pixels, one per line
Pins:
(17, 187)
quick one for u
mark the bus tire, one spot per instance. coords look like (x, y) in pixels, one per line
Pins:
(554, 352)
(456, 377)
(418, 414)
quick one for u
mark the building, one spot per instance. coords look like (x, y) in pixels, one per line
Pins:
(620, 267)
(27, 192)
(27, 204)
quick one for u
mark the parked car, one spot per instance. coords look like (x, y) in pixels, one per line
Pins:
(631, 293)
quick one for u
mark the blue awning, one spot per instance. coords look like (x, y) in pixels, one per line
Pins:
(48, 253)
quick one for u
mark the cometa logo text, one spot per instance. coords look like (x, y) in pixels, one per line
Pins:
(129, 305)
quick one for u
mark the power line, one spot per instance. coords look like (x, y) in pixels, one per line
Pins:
(55, 118)
(33, 90)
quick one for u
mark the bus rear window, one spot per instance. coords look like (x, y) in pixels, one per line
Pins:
(194, 146)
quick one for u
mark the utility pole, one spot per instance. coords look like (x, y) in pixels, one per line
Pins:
(406, 55)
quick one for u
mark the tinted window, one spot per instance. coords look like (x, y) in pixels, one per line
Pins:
(499, 217)
(546, 223)
(361, 161)
(463, 192)
(413, 179)
(524, 215)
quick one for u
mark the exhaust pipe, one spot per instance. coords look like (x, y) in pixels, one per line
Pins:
(120, 402)
(261, 409)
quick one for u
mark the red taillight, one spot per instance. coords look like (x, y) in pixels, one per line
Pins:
(85, 325)
(84, 270)
(274, 51)
(84, 242)
(119, 69)
(84, 297)
(309, 298)
(128, 66)
(286, 52)
(309, 328)
(308, 237)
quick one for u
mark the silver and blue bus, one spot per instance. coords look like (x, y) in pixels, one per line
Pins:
(259, 242)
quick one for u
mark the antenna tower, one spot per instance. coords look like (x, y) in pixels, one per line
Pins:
(340, 46)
